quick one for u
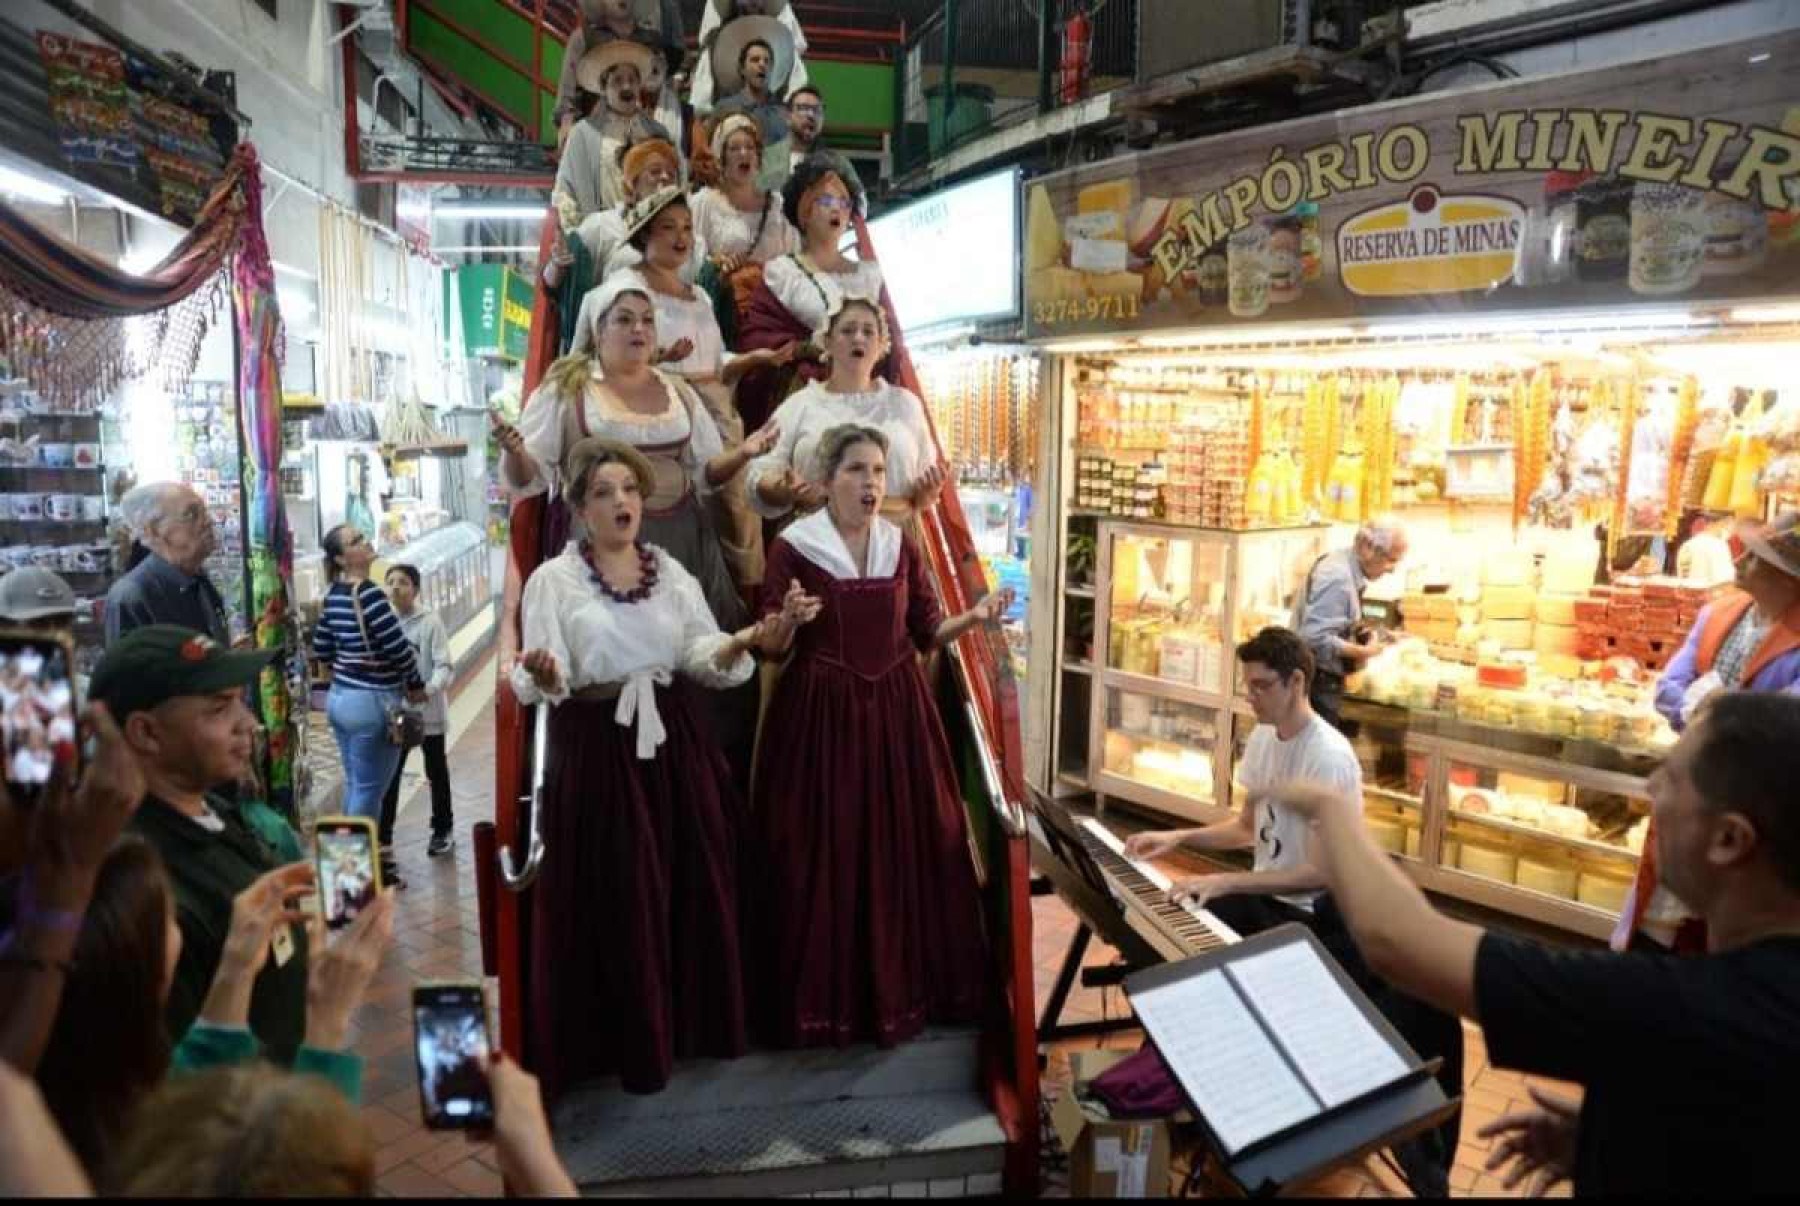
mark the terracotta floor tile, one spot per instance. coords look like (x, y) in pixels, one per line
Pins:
(411, 1181)
(415, 1143)
(474, 1178)
(385, 1125)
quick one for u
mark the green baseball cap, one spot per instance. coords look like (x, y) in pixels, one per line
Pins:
(147, 666)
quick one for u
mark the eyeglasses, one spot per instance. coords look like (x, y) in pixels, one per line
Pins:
(810, 110)
(1257, 686)
(832, 201)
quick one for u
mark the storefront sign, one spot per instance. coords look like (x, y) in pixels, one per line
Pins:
(496, 311)
(973, 229)
(1545, 193)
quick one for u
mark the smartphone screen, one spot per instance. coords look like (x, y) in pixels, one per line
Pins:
(37, 713)
(349, 870)
(451, 1041)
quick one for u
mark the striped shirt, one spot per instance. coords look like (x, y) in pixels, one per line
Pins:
(338, 640)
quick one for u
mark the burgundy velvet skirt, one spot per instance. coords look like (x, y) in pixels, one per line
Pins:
(635, 955)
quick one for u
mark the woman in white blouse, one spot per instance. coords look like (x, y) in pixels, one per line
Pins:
(609, 387)
(661, 232)
(617, 637)
(855, 339)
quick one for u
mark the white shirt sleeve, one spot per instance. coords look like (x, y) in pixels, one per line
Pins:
(701, 639)
(542, 629)
(789, 417)
(700, 95)
(704, 443)
(540, 426)
(437, 640)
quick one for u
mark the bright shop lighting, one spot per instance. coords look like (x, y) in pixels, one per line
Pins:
(14, 183)
(491, 212)
(290, 270)
(1765, 314)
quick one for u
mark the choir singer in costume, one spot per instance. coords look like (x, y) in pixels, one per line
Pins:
(609, 387)
(635, 954)
(866, 904)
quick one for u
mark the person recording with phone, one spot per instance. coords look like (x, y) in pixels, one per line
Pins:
(178, 697)
(109, 1048)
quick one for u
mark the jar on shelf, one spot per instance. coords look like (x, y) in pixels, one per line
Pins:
(1603, 217)
(1247, 264)
(1668, 238)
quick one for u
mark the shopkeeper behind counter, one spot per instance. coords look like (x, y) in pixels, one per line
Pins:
(1748, 638)
(1328, 611)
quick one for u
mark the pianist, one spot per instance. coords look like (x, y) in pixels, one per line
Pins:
(1293, 744)
(1684, 1061)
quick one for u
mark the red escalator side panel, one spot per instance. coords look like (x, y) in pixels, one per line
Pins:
(511, 754)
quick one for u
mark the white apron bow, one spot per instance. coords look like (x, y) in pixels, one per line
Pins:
(637, 703)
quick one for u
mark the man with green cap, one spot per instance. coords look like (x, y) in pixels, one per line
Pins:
(178, 697)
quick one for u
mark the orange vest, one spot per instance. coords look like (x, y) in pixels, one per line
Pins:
(1782, 637)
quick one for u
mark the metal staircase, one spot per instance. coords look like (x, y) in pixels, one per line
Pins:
(908, 1121)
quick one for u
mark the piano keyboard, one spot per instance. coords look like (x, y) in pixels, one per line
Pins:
(1178, 930)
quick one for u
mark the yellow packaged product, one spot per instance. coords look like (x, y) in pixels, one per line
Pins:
(1414, 841)
(1602, 890)
(1565, 717)
(1387, 833)
(1489, 862)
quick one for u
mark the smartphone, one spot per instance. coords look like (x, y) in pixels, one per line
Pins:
(349, 868)
(450, 1040)
(37, 712)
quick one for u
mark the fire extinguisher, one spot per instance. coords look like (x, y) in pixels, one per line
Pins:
(1077, 55)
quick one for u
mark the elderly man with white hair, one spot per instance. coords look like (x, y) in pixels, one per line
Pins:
(169, 585)
(1328, 612)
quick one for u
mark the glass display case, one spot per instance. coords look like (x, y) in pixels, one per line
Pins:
(453, 571)
(1167, 601)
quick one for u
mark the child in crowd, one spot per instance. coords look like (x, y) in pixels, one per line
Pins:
(431, 645)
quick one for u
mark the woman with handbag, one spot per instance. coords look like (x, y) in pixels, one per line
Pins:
(373, 674)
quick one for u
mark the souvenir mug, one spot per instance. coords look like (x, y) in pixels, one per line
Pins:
(28, 507)
(47, 556)
(18, 556)
(64, 508)
(58, 455)
(69, 557)
(93, 508)
(87, 456)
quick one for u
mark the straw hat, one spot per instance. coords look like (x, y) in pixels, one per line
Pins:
(739, 34)
(591, 71)
(644, 212)
(1777, 543)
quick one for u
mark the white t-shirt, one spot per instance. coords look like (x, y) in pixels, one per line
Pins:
(1319, 753)
(1705, 558)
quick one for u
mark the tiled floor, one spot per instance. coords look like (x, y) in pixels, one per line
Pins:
(437, 937)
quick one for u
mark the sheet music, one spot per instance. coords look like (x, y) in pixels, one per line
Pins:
(1337, 1049)
(1237, 1079)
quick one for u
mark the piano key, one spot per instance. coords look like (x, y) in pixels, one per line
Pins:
(1148, 888)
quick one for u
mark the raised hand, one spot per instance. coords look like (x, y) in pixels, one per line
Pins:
(339, 974)
(798, 607)
(1539, 1143)
(681, 349)
(271, 901)
(508, 435)
(929, 487)
(762, 439)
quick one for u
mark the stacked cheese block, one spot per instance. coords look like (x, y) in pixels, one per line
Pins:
(1506, 598)
(1643, 619)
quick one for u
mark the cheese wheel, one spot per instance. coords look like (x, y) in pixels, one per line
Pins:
(1559, 665)
(1555, 609)
(1569, 574)
(1113, 195)
(1505, 603)
(1509, 634)
(1548, 878)
(1560, 639)
(1602, 891)
(1508, 567)
(1387, 834)
(1488, 862)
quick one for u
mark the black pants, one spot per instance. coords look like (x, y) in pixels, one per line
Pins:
(437, 773)
(1327, 698)
(1429, 1031)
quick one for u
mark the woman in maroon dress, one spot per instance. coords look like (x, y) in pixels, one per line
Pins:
(868, 914)
(635, 955)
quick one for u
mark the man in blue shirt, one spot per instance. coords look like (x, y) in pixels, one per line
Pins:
(169, 586)
(1328, 611)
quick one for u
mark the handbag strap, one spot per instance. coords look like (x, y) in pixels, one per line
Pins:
(356, 605)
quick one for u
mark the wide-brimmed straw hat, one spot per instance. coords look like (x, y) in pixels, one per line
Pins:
(1777, 543)
(644, 212)
(591, 71)
(738, 34)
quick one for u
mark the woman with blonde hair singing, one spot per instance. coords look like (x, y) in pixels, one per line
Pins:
(866, 910)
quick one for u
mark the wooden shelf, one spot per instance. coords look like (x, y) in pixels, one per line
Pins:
(1078, 667)
(1521, 829)
(435, 448)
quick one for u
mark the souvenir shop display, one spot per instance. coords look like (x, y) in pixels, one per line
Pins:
(208, 458)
